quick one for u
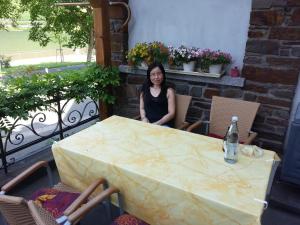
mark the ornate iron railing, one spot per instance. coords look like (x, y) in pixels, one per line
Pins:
(36, 129)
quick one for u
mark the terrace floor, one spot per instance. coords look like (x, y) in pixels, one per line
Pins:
(284, 202)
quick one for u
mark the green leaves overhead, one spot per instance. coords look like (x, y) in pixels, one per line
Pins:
(48, 19)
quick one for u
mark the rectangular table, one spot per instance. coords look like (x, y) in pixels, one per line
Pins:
(166, 176)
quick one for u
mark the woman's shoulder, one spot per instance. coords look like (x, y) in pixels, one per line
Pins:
(170, 91)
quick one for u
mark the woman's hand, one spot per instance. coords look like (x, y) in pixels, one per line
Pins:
(145, 120)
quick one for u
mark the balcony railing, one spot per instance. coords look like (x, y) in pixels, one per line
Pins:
(63, 116)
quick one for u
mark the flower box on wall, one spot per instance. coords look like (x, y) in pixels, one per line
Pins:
(194, 73)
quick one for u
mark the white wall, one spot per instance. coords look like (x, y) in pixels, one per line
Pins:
(215, 24)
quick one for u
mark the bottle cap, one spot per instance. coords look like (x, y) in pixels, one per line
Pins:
(234, 119)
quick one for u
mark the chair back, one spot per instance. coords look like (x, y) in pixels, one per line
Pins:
(182, 104)
(222, 109)
(15, 210)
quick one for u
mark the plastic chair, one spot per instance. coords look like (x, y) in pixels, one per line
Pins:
(17, 210)
(182, 103)
(222, 109)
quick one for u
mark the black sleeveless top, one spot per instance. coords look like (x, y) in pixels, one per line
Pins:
(156, 107)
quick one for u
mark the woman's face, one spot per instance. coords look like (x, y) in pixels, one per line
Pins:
(156, 76)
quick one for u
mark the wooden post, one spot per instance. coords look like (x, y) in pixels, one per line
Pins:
(102, 41)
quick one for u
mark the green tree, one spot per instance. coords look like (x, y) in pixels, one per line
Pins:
(49, 20)
(9, 13)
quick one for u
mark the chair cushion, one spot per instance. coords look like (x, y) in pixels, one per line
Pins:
(54, 201)
(127, 219)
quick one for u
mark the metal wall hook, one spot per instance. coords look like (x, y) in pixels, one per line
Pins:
(128, 13)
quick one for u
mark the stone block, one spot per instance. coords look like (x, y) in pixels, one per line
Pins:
(296, 51)
(285, 33)
(256, 34)
(116, 47)
(232, 93)
(182, 89)
(266, 111)
(277, 122)
(293, 3)
(196, 92)
(283, 114)
(211, 92)
(279, 3)
(117, 12)
(194, 112)
(284, 52)
(284, 62)
(202, 104)
(274, 101)
(267, 17)
(261, 4)
(272, 145)
(250, 97)
(295, 19)
(263, 47)
(252, 59)
(270, 75)
(282, 93)
(256, 87)
(136, 79)
(271, 136)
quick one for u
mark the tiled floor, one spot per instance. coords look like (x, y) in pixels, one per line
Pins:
(283, 205)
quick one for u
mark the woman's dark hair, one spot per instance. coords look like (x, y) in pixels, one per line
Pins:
(147, 84)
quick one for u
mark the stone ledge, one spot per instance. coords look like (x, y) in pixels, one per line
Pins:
(224, 80)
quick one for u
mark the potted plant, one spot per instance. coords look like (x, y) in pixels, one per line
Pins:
(183, 56)
(214, 61)
(146, 53)
(138, 54)
(158, 53)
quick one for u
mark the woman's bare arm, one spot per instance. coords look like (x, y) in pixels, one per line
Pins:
(142, 109)
(171, 108)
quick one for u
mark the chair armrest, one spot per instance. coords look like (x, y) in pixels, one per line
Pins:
(183, 126)
(82, 211)
(196, 125)
(84, 196)
(137, 117)
(18, 179)
(251, 137)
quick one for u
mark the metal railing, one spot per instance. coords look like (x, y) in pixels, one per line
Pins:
(66, 118)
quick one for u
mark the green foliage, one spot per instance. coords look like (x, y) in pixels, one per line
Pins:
(20, 95)
(50, 21)
(11, 10)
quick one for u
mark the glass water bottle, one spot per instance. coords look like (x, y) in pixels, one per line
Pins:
(231, 142)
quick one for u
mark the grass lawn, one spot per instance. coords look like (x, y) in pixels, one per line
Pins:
(30, 68)
(17, 41)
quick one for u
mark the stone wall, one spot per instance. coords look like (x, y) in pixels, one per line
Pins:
(119, 39)
(271, 68)
(272, 65)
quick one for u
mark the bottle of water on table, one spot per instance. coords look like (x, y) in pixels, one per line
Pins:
(231, 142)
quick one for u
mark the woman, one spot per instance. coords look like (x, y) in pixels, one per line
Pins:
(157, 100)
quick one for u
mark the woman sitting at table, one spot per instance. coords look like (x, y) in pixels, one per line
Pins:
(157, 100)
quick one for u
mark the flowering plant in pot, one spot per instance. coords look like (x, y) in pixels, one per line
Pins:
(158, 52)
(183, 56)
(147, 53)
(214, 60)
(138, 54)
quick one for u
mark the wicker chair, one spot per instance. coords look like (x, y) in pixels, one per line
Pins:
(18, 211)
(222, 109)
(182, 103)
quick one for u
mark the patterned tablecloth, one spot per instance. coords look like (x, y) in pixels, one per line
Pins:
(167, 176)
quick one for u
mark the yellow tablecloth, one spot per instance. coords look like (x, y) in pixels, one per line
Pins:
(166, 176)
